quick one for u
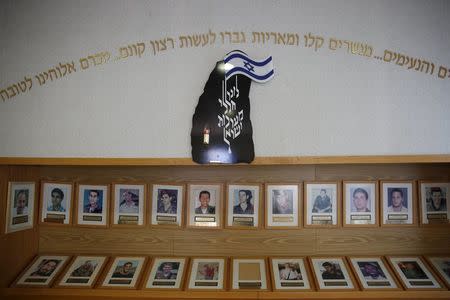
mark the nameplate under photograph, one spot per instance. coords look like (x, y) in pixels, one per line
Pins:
(434, 197)
(20, 206)
(321, 204)
(167, 204)
(166, 273)
(397, 202)
(205, 205)
(413, 273)
(243, 205)
(42, 271)
(128, 204)
(207, 274)
(56, 202)
(124, 272)
(360, 203)
(290, 274)
(372, 273)
(249, 274)
(331, 273)
(83, 271)
(92, 205)
(282, 206)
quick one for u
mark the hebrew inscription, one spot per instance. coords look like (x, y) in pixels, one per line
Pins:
(209, 38)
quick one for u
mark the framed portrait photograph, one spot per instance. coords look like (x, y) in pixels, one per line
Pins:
(373, 274)
(20, 206)
(207, 273)
(167, 205)
(397, 203)
(282, 206)
(434, 208)
(83, 272)
(166, 273)
(205, 205)
(360, 203)
(249, 274)
(128, 204)
(413, 273)
(56, 202)
(92, 205)
(243, 206)
(290, 274)
(441, 266)
(332, 273)
(322, 202)
(42, 271)
(124, 272)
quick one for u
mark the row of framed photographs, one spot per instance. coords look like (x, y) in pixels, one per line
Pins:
(244, 204)
(211, 273)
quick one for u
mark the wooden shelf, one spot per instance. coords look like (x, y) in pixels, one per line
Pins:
(39, 293)
(289, 160)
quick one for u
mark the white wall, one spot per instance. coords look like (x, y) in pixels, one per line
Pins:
(319, 103)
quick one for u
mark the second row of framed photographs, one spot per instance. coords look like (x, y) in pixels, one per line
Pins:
(211, 273)
(245, 206)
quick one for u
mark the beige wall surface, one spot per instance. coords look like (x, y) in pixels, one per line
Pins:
(122, 78)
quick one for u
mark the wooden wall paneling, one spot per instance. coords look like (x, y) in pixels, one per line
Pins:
(229, 242)
(17, 248)
(240, 173)
(358, 241)
(382, 241)
(99, 294)
(177, 242)
(4, 174)
(267, 160)
(245, 242)
(115, 241)
(383, 172)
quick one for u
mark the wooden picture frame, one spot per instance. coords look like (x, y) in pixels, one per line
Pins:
(291, 274)
(434, 206)
(250, 196)
(167, 205)
(440, 264)
(360, 203)
(210, 214)
(373, 273)
(322, 204)
(83, 271)
(42, 271)
(398, 190)
(166, 273)
(123, 272)
(282, 206)
(20, 206)
(208, 273)
(332, 274)
(56, 203)
(125, 212)
(92, 205)
(245, 272)
(414, 274)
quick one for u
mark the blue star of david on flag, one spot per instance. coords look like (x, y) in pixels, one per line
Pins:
(248, 66)
(237, 62)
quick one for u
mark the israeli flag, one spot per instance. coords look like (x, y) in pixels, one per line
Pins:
(237, 62)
